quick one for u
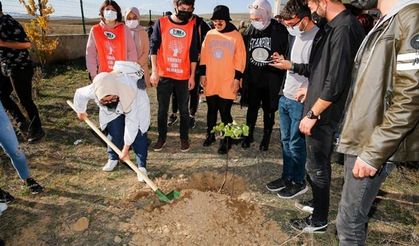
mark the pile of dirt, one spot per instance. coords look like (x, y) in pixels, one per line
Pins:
(205, 216)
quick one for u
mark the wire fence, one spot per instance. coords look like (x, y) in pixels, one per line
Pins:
(75, 16)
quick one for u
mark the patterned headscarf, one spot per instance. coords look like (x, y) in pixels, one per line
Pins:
(263, 10)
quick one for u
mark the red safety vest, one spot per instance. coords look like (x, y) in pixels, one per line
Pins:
(173, 55)
(110, 45)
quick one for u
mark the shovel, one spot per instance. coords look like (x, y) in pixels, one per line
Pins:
(163, 197)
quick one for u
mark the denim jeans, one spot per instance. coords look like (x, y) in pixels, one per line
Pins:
(115, 130)
(356, 201)
(9, 143)
(319, 147)
(293, 141)
(165, 89)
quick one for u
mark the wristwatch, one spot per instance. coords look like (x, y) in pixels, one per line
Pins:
(310, 114)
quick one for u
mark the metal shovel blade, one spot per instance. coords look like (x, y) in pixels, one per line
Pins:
(167, 197)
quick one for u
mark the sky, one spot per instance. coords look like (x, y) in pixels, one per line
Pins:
(91, 7)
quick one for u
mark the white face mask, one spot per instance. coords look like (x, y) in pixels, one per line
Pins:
(131, 24)
(294, 31)
(258, 25)
(109, 15)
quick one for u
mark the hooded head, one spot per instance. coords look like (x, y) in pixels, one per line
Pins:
(132, 18)
(261, 14)
(107, 84)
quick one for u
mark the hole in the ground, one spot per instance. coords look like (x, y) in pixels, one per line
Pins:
(212, 181)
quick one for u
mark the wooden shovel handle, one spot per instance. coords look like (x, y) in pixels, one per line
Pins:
(116, 149)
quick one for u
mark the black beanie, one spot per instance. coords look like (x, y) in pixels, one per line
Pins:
(221, 12)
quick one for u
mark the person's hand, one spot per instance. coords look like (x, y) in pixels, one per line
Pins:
(191, 82)
(236, 85)
(306, 125)
(280, 62)
(82, 116)
(154, 79)
(363, 170)
(125, 153)
(300, 96)
(203, 81)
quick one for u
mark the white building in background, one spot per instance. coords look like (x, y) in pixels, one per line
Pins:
(278, 5)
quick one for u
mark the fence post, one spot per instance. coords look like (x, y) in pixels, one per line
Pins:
(82, 17)
(149, 14)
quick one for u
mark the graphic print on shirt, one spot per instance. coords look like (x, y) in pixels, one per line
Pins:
(219, 47)
(177, 48)
(259, 50)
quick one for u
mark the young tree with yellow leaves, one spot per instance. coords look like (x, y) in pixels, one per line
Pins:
(37, 29)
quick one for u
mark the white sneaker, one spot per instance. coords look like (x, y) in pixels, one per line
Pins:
(110, 165)
(3, 207)
(144, 171)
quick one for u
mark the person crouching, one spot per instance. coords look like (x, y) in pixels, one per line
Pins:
(124, 111)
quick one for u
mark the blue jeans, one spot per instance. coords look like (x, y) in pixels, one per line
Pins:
(293, 141)
(356, 201)
(9, 143)
(115, 130)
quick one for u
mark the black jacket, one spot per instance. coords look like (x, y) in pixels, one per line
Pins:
(273, 39)
(329, 69)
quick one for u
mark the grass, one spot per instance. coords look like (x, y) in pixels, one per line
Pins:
(76, 187)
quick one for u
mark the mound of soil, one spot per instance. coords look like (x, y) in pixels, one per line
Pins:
(204, 216)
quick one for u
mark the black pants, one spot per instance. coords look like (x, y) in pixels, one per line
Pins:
(215, 104)
(193, 99)
(165, 89)
(258, 96)
(319, 150)
(21, 82)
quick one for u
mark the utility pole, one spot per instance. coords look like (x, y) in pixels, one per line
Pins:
(82, 16)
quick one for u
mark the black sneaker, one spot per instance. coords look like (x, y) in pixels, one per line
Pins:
(209, 140)
(35, 137)
(5, 197)
(307, 225)
(33, 186)
(246, 142)
(225, 146)
(172, 120)
(278, 184)
(292, 190)
(192, 122)
(305, 206)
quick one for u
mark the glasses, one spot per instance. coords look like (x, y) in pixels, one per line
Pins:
(298, 22)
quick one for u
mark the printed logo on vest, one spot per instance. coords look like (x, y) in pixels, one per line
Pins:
(110, 35)
(177, 33)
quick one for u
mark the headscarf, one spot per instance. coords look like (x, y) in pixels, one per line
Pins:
(105, 84)
(135, 11)
(263, 10)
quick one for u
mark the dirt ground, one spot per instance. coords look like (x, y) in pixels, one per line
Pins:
(84, 206)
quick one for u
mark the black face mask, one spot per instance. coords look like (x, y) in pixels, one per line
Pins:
(111, 106)
(183, 15)
(318, 20)
(364, 4)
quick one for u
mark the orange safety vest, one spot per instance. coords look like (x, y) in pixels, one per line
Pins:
(110, 45)
(173, 55)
